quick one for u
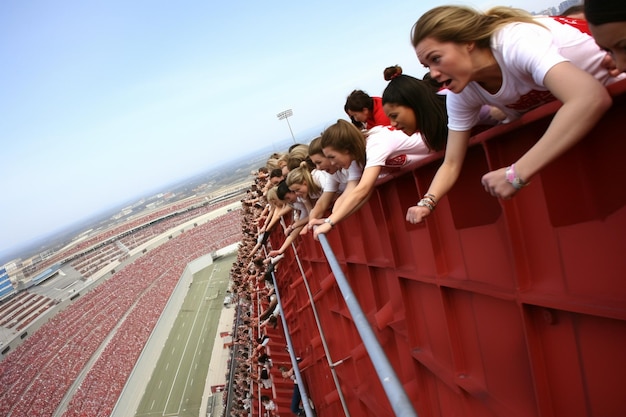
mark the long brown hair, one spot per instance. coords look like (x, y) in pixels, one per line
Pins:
(460, 24)
(344, 136)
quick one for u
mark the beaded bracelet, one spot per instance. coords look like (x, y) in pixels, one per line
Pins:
(428, 201)
(425, 203)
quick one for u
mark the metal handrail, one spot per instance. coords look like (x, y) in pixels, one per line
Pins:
(391, 384)
(320, 330)
(296, 370)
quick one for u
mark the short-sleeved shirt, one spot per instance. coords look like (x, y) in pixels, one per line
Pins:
(525, 53)
(335, 183)
(385, 143)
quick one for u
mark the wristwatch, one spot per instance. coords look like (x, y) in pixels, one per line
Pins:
(329, 221)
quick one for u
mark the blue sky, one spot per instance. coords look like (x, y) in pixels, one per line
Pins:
(101, 102)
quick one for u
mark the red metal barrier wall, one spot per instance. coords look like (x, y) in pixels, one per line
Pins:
(490, 308)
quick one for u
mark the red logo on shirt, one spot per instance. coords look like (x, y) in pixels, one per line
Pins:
(396, 161)
(531, 100)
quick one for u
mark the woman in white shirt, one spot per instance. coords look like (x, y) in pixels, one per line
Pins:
(511, 60)
(347, 148)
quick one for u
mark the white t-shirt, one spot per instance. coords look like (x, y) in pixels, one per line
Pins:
(525, 53)
(328, 182)
(335, 183)
(342, 177)
(355, 171)
(384, 143)
(301, 206)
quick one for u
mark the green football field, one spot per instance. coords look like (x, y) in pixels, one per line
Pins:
(177, 382)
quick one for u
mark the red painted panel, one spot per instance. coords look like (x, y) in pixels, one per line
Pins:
(490, 308)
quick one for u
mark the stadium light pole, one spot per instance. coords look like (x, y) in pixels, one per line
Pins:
(286, 115)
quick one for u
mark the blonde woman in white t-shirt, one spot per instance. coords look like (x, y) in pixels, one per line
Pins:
(511, 60)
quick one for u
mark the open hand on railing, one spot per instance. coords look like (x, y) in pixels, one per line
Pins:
(321, 228)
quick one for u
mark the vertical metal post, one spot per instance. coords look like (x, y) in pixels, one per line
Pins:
(398, 399)
(296, 370)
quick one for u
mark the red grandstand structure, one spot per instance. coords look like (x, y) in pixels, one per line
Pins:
(489, 308)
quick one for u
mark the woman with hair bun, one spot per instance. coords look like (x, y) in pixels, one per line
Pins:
(511, 60)
(418, 117)
(297, 154)
(413, 106)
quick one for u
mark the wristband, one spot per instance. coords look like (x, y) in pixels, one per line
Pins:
(329, 221)
(426, 203)
(513, 179)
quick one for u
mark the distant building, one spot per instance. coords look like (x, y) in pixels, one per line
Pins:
(558, 10)
(6, 286)
(10, 266)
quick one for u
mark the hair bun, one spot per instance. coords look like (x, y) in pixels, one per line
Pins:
(392, 72)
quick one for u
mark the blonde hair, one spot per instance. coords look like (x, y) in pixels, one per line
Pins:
(272, 197)
(282, 161)
(272, 161)
(302, 175)
(344, 136)
(461, 24)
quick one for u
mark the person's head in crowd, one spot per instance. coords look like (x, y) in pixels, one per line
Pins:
(359, 106)
(607, 22)
(272, 321)
(267, 402)
(575, 12)
(343, 143)
(300, 181)
(413, 106)
(368, 110)
(276, 176)
(282, 161)
(267, 275)
(297, 155)
(272, 197)
(276, 160)
(262, 172)
(316, 154)
(355, 122)
(285, 194)
(295, 145)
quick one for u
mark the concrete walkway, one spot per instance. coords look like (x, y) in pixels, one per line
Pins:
(219, 363)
